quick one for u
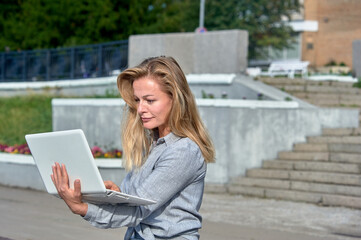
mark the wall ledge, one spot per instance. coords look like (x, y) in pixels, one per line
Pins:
(234, 103)
(22, 159)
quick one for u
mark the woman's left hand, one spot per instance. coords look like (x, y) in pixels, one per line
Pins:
(72, 197)
(111, 185)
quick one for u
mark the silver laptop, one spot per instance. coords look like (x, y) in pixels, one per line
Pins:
(71, 148)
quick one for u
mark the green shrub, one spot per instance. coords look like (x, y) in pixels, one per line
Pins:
(357, 84)
(288, 99)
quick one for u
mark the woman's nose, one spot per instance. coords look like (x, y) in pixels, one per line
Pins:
(140, 108)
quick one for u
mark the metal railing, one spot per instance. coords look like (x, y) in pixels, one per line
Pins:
(96, 60)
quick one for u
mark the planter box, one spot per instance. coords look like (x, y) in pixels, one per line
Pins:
(19, 170)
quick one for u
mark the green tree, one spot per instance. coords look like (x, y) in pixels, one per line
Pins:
(162, 16)
(34, 24)
(263, 19)
(7, 9)
(47, 23)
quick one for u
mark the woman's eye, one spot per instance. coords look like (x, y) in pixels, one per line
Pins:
(136, 100)
(150, 101)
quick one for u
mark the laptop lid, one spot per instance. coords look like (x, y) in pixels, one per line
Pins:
(70, 148)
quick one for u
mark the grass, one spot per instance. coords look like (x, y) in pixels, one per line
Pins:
(24, 115)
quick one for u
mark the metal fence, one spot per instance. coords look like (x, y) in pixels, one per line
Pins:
(96, 60)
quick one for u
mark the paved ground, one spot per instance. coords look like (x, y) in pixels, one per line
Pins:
(33, 215)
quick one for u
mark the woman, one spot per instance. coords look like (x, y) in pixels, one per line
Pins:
(166, 149)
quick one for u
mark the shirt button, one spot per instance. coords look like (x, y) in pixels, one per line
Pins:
(161, 141)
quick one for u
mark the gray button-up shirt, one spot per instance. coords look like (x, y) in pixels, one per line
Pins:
(173, 175)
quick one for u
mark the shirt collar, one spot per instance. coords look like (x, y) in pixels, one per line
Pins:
(168, 139)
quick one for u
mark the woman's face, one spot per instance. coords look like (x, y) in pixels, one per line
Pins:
(153, 104)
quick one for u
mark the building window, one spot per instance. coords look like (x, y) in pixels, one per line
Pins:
(309, 46)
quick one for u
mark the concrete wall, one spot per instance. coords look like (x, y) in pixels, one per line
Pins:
(210, 52)
(244, 132)
(230, 86)
(356, 57)
(76, 88)
(20, 171)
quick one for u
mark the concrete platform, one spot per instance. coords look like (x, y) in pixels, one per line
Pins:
(28, 214)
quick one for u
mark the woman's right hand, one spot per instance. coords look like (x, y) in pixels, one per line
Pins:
(72, 197)
(112, 186)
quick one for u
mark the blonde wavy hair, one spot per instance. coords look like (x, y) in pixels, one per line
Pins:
(184, 119)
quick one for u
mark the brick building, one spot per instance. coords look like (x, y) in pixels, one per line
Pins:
(339, 24)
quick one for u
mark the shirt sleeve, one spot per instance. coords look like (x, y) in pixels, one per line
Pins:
(177, 167)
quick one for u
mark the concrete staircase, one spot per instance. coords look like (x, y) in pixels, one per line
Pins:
(319, 93)
(326, 169)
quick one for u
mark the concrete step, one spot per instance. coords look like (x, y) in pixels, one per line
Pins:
(325, 177)
(307, 176)
(334, 139)
(333, 102)
(341, 132)
(326, 188)
(267, 173)
(317, 89)
(330, 96)
(327, 94)
(313, 166)
(261, 182)
(311, 156)
(308, 147)
(331, 89)
(324, 103)
(300, 81)
(292, 88)
(345, 157)
(344, 147)
(283, 81)
(300, 196)
(295, 185)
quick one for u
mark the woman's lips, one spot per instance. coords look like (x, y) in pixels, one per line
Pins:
(146, 119)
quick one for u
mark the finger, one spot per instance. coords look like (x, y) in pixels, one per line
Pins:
(108, 184)
(63, 185)
(60, 174)
(77, 188)
(54, 175)
(58, 171)
(64, 174)
(117, 188)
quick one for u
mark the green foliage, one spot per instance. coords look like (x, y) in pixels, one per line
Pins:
(162, 16)
(357, 84)
(262, 19)
(47, 23)
(23, 115)
(331, 63)
(204, 94)
(34, 24)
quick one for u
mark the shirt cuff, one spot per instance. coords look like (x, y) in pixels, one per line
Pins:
(91, 213)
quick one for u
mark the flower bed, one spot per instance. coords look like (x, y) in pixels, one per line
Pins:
(96, 151)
